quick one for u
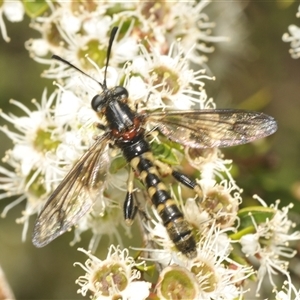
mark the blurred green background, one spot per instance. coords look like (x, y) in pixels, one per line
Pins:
(254, 70)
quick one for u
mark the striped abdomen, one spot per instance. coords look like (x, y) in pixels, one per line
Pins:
(177, 227)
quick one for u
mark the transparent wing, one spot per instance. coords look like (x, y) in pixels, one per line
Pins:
(213, 127)
(74, 196)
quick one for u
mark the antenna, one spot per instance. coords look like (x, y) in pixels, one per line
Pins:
(103, 85)
(74, 67)
(111, 40)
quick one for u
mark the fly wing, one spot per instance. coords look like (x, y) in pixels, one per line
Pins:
(74, 196)
(210, 128)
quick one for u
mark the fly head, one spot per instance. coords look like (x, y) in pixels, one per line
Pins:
(100, 101)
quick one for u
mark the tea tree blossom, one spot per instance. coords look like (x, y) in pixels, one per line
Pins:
(158, 56)
(13, 11)
(293, 37)
(211, 275)
(288, 291)
(112, 278)
(269, 244)
(36, 138)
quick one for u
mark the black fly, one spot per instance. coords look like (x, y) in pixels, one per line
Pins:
(207, 128)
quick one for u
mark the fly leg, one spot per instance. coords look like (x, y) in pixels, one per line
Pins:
(180, 177)
(129, 207)
(190, 183)
(101, 126)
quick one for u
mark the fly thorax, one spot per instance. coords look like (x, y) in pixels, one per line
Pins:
(119, 116)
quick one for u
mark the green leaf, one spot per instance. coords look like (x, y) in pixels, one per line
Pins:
(259, 213)
(35, 8)
(237, 235)
(165, 153)
(149, 270)
(117, 164)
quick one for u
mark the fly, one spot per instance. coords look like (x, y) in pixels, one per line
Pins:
(207, 128)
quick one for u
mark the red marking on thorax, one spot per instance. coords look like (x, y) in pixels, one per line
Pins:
(131, 133)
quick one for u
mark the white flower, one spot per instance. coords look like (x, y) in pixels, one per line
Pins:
(35, 141)
(176, 282)
(217, 274)
(73, 30)
(288, 291)
(152, 54)
(37, 135)
(211, 164)
(269, 244)
(293, 37)
(116, 276)
(169, 79)
(47, 142)
(13, 11)
(211, 275)
(218, 204)
(74, 35)
(11, 184)
(164, 23)
(38, 47)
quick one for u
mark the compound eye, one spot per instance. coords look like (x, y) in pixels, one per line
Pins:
(97, 102)
(120, 91)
